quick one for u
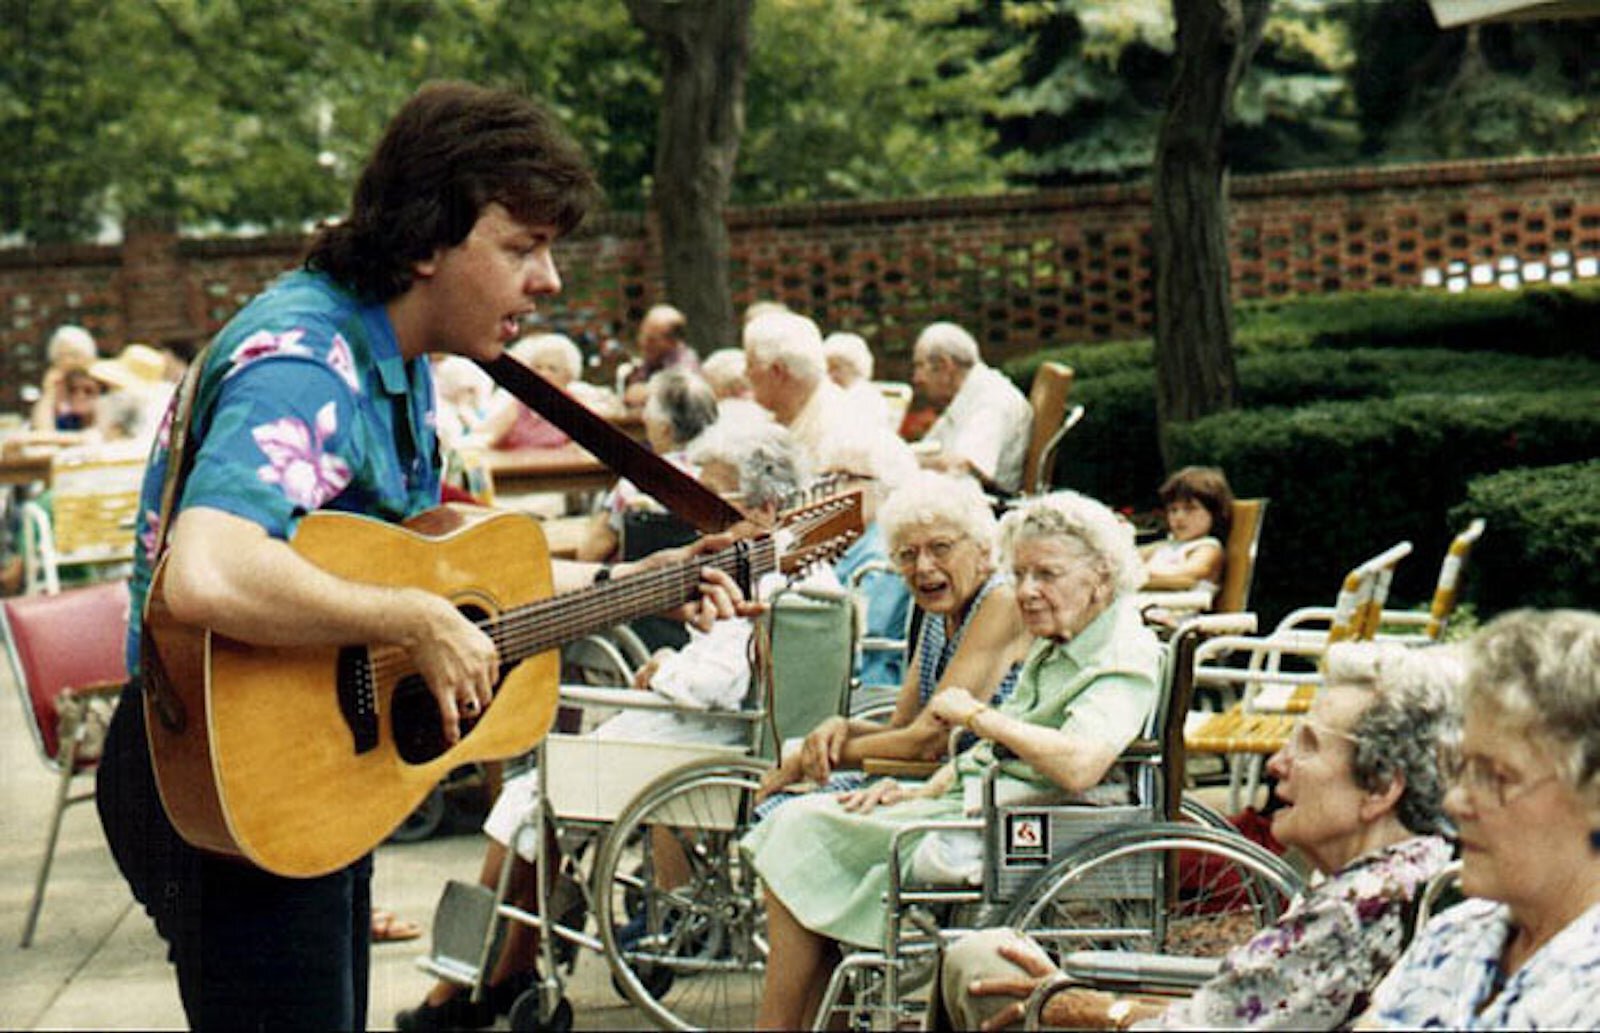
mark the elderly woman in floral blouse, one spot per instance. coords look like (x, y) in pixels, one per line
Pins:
(1362, 800)
(1525, 793)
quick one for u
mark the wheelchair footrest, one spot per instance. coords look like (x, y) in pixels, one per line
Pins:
(462, 924)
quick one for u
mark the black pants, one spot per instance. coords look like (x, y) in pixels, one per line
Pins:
(253, 950)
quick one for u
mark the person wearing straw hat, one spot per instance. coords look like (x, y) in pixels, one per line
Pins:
(137, 392)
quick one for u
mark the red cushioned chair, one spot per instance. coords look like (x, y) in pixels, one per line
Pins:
(66, 655)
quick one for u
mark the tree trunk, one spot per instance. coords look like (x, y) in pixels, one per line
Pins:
(1194, 308)
(705, 49)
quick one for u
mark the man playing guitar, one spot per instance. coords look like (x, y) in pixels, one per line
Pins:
(317, 396)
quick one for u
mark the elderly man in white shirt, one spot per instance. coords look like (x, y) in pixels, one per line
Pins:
(788, 374)
(984, 428)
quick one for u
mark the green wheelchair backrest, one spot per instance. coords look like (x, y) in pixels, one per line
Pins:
(808, 636)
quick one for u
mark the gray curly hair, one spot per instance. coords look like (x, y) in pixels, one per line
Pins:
(770, 464)
(1539, 672)
(1067, 514)
(1415, 707)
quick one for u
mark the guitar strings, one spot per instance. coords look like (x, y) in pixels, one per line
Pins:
(514, 630)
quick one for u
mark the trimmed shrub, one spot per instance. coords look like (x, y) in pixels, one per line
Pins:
(1113, 454)
(1538, 321)
(1348, 479)
(1539, 550)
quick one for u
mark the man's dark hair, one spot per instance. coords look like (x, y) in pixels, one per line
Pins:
(452, 149)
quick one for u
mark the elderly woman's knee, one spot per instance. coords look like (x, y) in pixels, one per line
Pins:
(977, 956)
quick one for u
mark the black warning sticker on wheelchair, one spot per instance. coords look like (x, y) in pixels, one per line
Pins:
(1027, 839)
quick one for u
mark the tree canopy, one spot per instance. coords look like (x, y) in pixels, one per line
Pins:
(227, 114)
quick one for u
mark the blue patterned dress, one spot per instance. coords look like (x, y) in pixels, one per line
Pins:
(1449, 977)
(935, 650)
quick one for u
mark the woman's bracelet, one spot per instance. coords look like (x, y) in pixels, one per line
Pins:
(972, 715)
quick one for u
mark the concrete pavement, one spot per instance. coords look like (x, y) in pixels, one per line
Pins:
(96, 962)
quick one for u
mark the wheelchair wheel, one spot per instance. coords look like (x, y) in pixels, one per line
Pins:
(692, 955)
(1164, 888)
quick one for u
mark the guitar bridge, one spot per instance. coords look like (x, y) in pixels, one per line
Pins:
(358, 697)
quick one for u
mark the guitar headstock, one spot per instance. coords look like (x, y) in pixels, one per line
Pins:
(818, 531)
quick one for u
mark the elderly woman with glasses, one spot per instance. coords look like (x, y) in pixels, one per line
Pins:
(1087, 687)
(940, 534)
(1525, 796)
(1362, 801)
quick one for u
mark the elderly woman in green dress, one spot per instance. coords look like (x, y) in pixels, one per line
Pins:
(1087, 687)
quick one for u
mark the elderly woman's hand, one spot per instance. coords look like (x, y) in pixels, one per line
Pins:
(1077, 1008)
(882, 793)
(823, 748)
(955, 706)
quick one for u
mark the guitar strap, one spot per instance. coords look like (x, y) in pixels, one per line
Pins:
(156, 684)
(683, 495)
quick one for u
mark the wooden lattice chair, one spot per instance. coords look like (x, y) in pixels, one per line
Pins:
(1052, 419)
(90, 520)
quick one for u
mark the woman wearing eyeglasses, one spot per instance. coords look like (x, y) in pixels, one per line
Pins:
(1362, 795)
(1087, 687)
(1525, 795)
(940, 532)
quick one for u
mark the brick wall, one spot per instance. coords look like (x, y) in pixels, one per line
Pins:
(1020, 270)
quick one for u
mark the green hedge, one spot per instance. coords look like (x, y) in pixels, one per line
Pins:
(1539, 550)
(1348, 479)
(1113, 454)
(1538, 321)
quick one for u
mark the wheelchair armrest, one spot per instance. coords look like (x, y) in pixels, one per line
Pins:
(637, 699)
(1139, 969)
(895, 768)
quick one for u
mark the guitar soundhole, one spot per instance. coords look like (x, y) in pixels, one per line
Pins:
(414, 714)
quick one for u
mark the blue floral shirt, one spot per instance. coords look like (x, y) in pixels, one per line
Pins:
(304, 403)
(1448, 979)
(1315, 968)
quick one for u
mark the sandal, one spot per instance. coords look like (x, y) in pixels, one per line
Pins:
(387, 927)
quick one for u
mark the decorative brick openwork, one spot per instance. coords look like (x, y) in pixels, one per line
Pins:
(1022, 271)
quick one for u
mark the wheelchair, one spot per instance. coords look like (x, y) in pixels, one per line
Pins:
(647, 869)
(1159, 874)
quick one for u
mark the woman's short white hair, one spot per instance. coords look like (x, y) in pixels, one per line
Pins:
(724, 370)
(852, 350)
(949, 340)
(787, 339)
(1537, 673)
(556, 347)
(71, 346)
(926, 498)
(1067, 514)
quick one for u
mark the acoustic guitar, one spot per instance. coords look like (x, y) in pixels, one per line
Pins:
(301, 759)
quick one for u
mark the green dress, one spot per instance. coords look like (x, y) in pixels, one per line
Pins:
(829, 867)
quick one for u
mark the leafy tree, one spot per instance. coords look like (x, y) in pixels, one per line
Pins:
(853, 100)
(1094, 78)
(1194, 308)
(705, 48)
(1516, 88)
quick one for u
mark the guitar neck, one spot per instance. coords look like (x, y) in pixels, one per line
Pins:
(524, 631)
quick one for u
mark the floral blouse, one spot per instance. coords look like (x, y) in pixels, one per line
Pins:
(1449, 977)
(1315, 968)
(304, 403)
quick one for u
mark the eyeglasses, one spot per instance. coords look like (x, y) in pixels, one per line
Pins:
(939, 550)
(1482, 780)
(1305, 740)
